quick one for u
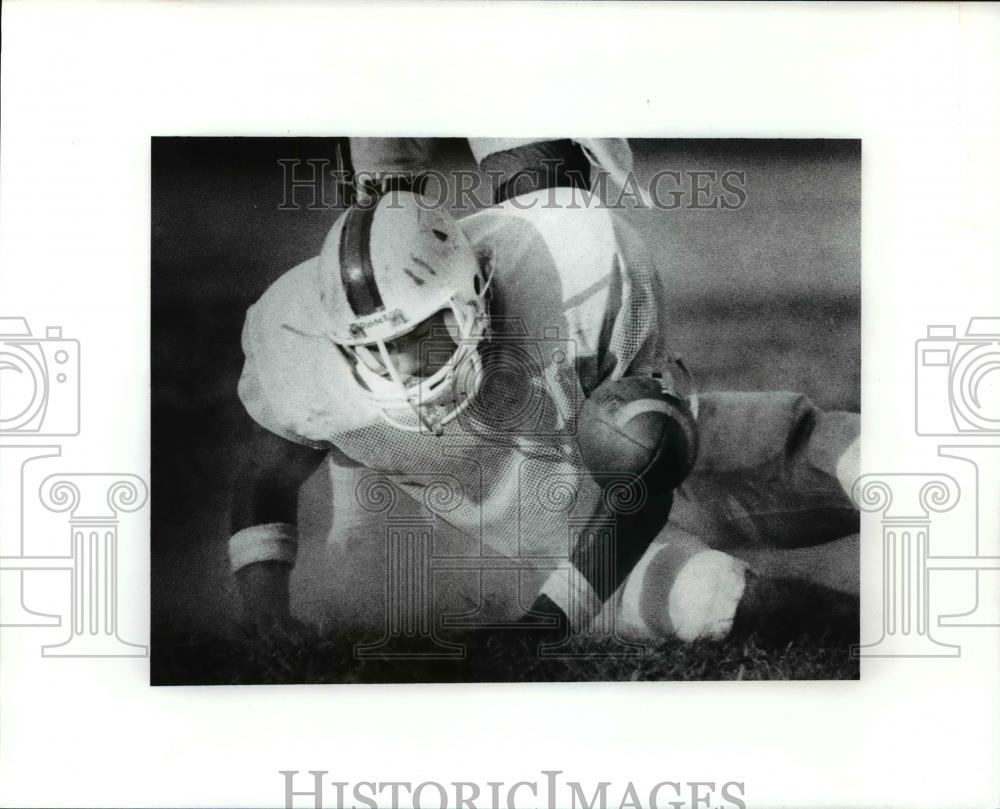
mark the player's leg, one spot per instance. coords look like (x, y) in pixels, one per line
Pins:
(773, 471)
(681, 588)
(684, 589)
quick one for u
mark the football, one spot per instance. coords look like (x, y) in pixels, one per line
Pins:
(630, 427)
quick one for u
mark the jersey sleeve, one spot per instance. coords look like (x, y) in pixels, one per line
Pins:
(253, 396)
(612, 155)
(292, 379)
(623, 321)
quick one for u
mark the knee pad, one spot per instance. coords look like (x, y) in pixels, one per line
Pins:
(682, 589)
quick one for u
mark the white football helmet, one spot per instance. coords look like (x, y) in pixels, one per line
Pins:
(387, 267)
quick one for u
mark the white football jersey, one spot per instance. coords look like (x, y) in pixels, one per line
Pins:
(575, 300)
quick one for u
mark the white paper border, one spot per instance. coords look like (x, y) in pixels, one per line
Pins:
(85, 84)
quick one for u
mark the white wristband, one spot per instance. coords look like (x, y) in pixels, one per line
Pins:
(272, 542)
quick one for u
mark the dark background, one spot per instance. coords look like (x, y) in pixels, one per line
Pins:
(764, 297)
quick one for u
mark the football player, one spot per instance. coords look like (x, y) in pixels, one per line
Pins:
(457, 354)
(514, 166)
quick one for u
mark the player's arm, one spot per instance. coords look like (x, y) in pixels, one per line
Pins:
(264, 541)
(639, 443)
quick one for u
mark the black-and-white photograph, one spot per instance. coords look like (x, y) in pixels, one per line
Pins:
(504, 409)
(489, 404)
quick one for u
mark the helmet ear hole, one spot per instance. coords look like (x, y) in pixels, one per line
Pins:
(477, 284)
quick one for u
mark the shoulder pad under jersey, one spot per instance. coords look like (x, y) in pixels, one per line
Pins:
(295, 382)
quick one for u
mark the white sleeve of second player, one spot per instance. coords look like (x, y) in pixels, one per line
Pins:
(380, 156)
(612, 155)
(483, 147)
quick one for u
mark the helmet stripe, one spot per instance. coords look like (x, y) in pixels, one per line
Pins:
(356, 271)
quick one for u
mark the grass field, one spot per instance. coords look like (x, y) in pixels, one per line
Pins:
(766, 298)
(328, 656)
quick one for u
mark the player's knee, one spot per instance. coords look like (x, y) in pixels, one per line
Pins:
(683, 590)
(630, 427)
(705, 595)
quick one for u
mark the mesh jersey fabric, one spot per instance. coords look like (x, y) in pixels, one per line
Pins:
(575, 300)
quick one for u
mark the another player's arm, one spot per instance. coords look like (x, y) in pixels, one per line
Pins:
(264, 524)
(380, 165)
(518, 166)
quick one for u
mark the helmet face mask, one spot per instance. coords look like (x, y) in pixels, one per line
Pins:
(420, 352)
(428, 384)
(407, 308)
